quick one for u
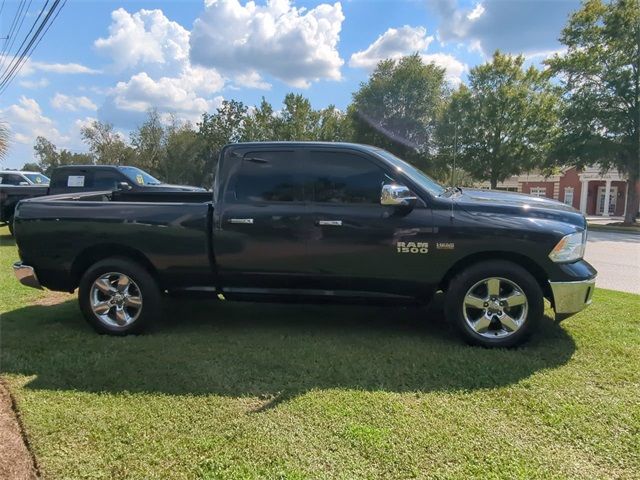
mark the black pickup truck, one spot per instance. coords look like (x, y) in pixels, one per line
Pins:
(83, 178)
(304, 221)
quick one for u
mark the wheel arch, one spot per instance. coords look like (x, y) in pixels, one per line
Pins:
(527, 263)
(95, 253)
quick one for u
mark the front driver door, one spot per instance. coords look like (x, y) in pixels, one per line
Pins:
(357, 243)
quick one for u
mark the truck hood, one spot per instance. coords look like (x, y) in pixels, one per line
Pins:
(518, 204)
(167, 187)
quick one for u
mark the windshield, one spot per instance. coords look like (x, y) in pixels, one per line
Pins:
(413, 173)
(139, 177)
(37, 178)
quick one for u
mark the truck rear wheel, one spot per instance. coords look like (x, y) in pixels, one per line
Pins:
(118, 297)
(494, 304)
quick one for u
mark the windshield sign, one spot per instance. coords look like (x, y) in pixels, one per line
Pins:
(37, 178)
(139, 177)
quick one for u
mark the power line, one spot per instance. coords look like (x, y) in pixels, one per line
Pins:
(17, 31)
(32, 41)
(14, 22)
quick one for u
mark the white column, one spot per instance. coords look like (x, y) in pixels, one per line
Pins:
(584, 188)
(607, 198)
(626, 198)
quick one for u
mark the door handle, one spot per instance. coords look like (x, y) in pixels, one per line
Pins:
(333, 223)
(246, 221)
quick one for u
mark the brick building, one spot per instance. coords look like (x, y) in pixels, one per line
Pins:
(587, 190)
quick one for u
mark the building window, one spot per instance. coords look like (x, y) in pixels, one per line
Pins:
(538, 191)
(568, 196)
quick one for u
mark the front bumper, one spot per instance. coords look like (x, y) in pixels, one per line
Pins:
(572, 297)
(26, 275)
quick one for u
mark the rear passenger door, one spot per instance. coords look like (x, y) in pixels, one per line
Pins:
(263, 224)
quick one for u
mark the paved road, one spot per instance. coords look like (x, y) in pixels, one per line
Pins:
(616, 256)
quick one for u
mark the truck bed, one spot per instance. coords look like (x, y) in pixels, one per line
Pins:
(169, 235)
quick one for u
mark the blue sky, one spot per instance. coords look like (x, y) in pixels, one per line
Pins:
(114, 60)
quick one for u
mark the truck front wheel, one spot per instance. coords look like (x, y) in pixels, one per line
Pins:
(118, 297)
(494, 304)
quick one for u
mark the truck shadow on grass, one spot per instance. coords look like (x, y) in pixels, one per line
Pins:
(268, 350)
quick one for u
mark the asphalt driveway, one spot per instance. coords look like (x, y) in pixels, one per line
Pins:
(616, 256)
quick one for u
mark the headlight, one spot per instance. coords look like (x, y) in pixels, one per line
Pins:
(570, 248)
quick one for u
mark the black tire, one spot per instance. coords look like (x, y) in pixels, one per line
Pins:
(512, 281)
(141, 285)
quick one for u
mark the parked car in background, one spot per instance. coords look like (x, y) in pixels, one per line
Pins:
(88, 178)
(15, 177)
(16, 186)
(314, 221)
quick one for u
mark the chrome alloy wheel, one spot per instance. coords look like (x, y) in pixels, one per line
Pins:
(495, 307)
(116, 299)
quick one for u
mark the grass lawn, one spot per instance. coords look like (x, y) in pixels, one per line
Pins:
(223, 390)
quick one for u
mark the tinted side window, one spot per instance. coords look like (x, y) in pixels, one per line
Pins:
(340, 177)
(269, 177)
(70, 179)
(12, 179)
(106, 180)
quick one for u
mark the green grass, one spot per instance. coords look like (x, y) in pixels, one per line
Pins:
(223, 390)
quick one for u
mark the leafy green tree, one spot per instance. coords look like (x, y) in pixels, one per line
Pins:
(106, 145)
(503, 122)
(259, 124)
(298, 120)
(184, 159)
(218, 129)
(398, 106)
(334, 125)
(600, 76)
(49, 157)
(149, 143)
(31, 167)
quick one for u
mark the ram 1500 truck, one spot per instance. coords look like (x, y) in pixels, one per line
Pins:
(312, 220)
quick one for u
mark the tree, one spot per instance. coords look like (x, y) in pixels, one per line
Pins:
(106, 145)
(149, 142)
(31, 167)
(218, 129)
(600, 76)
(397, 107)
(184, 159)
(298, 120)
(334, 125)
(259, 124)
(504, 121)
(49, 157)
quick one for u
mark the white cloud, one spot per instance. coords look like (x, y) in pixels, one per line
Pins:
(27, 121)
(33, 84)
(524, 26)
(62, 68)
(295, 45)
(252, 80)
(71, 103)
(143, 38)
(394, 43)
(156, 52)
(178, 95)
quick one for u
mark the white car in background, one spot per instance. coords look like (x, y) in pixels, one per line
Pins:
(15, 177)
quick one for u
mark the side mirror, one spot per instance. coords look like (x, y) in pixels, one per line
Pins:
(397, 196)
(124, 186)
